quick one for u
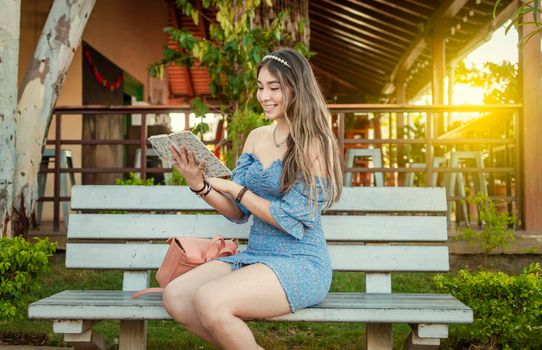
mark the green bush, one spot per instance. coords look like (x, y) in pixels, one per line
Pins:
(496, 232)
(177, 179)
(507, 309)
(242, 123)
(20, 264)
(133, 180)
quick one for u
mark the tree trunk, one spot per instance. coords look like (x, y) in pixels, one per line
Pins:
(9, 61)
(56, 47)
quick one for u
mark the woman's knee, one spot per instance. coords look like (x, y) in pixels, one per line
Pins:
(210, 307)
(178, 303)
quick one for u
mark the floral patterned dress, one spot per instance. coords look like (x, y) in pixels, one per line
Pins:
(298, 255)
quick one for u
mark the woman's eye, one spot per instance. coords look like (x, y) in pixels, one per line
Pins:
(274, 89)
(260, 88)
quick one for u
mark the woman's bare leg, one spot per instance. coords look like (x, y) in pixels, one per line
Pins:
(179, 296)
(252, 292)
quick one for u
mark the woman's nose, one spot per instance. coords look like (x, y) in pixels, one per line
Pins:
(264, 95)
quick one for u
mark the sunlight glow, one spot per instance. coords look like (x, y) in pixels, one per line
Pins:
(500, 47)
(177, 121)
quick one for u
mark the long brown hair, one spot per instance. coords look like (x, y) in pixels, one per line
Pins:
(309, 121)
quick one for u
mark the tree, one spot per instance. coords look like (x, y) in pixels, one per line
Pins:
(499, 81)
(39, 91)
(9, 62)
(231, 55)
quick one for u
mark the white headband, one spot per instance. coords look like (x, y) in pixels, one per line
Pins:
(278, 59)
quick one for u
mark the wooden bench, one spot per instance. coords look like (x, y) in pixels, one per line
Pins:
(374, 230)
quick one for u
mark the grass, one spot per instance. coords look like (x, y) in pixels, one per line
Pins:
(168, 335)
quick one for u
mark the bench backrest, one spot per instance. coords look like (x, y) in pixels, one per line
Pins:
(375, 230)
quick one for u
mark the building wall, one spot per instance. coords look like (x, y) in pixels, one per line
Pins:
(128, 32)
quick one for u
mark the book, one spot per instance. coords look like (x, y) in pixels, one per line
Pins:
(213, 165)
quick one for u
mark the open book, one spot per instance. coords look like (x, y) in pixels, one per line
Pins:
(161, 143)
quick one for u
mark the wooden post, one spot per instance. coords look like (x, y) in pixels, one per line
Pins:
(400, 96)
(531, 75)
(439, 73)
(9, 62)
(41, 85)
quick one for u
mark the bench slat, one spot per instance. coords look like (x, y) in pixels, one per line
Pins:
(344, 257)
(373, 199)
(344, 307)
(336, 228)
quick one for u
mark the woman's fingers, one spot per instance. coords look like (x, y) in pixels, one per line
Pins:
(175, 154)
(191, 159)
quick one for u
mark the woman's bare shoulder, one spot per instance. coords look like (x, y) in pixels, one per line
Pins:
(255, 135)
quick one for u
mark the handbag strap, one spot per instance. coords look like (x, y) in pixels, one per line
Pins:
(224, 250)
(147, 291)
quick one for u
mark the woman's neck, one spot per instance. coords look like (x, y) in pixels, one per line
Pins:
(282, 126)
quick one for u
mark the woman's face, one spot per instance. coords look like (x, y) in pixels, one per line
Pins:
(270, 95)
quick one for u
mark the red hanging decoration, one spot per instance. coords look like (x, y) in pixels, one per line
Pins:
(111, 86)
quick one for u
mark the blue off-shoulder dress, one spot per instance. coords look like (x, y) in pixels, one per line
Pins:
(298, 255)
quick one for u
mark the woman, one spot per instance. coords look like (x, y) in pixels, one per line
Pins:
(288, 172)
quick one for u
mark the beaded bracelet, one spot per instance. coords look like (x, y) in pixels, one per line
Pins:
(241, 194)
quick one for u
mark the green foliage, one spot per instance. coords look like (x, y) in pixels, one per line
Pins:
(176, 179)
(240, 126)
(231, 54)
(496, 232)
(507, 309)
(20, 264)
(526, 7)
(499, 81)
(134, 180)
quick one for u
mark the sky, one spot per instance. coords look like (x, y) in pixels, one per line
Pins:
(500, 47)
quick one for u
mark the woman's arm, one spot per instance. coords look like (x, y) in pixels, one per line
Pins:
(194, 178)
(257, 205)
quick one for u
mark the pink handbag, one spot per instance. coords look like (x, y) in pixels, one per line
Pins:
(185, 253)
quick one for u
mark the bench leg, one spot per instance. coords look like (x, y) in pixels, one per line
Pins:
(426, 336)
(86, 340)
(133, 335)
(414, 342)
(378, 336)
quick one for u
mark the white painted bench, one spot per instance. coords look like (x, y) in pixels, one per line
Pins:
(385, 230)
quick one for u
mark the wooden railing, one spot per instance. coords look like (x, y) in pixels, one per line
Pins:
(393, 146)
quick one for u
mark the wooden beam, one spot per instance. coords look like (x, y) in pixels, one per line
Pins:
(334, 77)
(480, 37)
(355, 39)
(448, 9)
(356, 26)
(321, 44)
(531, 83)
(483, 34)
(437, 81)
(361, 19)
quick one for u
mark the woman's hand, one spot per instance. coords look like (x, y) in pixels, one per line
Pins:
(225, 186)
(186, 164)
